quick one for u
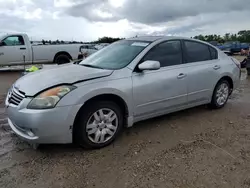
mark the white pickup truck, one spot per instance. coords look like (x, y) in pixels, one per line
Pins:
(16, 49)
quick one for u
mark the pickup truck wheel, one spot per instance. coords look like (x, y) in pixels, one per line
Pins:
(248, 71)
(98, 125)
(62, 59)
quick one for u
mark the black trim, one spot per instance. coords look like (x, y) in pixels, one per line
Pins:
(184, 61)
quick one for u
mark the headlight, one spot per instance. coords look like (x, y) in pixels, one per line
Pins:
(49, 98)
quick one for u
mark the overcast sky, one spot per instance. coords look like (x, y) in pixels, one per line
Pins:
(87, 20)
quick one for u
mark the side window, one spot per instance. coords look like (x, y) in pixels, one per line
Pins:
(213, 52)
(167, 53)
(195, 51)
(13, 41)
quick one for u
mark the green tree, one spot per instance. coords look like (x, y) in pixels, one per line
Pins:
(227, 37)
(233, 37)
(244, 36)
(210, 38)
(107, 40)
(200, 37)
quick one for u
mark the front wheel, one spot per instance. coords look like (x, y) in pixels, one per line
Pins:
(99, 124)
(220, 95)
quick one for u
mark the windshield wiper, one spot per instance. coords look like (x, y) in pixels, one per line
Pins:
(92, 66)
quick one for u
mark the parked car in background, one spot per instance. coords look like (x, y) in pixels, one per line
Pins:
(233, 47)
(101, 45)
(128, 81)
(214, 43)
(17, 49)
(86, 50)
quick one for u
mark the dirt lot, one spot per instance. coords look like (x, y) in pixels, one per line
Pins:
(193, 148)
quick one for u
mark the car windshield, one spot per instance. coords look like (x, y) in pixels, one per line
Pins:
(116, 55)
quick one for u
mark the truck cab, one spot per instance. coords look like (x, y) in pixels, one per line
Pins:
(15, 49)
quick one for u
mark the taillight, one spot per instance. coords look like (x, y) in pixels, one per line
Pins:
(236, 62)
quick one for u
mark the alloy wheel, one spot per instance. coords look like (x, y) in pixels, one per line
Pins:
(222, 94)
(102, 125)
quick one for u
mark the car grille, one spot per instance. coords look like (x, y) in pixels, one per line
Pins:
(15, 96)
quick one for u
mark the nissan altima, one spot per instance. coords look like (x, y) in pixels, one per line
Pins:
(128, 81)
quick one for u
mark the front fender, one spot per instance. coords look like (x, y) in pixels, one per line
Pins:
(84, 92)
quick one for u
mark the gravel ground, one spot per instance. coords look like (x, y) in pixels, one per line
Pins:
(193, 148)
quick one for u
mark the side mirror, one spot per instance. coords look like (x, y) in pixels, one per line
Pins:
(149, 65)
(1, 43)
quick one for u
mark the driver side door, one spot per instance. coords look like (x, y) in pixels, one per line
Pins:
(156, 92)
(13, 50)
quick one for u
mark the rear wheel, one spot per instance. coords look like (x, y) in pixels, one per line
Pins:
(62, 59)
(221, 94)
(98, 125)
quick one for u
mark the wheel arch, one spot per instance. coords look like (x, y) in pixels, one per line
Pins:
(230, 81)
(61, 53)
(106, 97)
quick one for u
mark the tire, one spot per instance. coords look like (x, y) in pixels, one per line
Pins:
(62, 59)
(217, 103)
(86, 121)
(248, 72)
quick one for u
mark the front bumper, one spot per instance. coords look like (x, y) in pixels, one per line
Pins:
(50, 126)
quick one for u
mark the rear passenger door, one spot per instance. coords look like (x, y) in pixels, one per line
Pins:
(202, 70)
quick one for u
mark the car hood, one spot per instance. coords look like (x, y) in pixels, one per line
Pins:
(35, 82)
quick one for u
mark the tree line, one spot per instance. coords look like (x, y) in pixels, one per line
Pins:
(242, 36)
(100, 40)
(60, 42)
(107, 40)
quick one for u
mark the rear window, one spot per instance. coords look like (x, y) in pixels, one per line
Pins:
(195, 52)
(214, 53)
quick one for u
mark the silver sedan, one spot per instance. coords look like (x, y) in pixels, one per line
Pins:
(131, 80)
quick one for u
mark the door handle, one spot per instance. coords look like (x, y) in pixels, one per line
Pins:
(216, 67)
(22, 48)
(181, 75)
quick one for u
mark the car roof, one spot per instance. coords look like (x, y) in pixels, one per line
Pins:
(155, 38)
